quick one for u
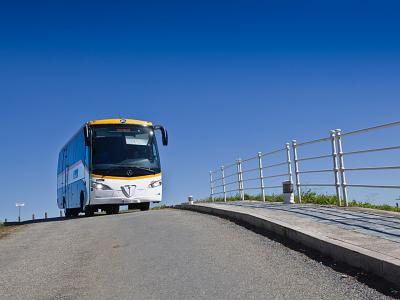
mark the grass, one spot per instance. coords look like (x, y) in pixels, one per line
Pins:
(307, 197)
(6, 230)
(160, 207)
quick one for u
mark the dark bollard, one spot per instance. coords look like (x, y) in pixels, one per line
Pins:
(288, 196)
(33, 217)
(45, 215)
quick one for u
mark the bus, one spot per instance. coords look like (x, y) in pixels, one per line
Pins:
(109, 163)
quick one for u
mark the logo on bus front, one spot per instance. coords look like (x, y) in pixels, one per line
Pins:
(128, 190)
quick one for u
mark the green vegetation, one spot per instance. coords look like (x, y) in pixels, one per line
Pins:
(307, 197)
(160, 207)
(5, 230)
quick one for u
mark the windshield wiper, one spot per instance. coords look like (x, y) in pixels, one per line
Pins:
(120, 166)
(138, 168)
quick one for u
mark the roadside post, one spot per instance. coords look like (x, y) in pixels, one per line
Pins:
(19, 205)
(288, 196)
(190, 199)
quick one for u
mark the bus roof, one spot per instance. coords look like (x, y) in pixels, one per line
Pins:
(120, 121)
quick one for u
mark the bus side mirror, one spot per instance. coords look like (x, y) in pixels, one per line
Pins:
(164, 134)
(88, 136)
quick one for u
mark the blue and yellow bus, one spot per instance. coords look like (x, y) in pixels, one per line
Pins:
(109, 163)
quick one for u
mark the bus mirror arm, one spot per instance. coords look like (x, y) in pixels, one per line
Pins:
(164, 134)
(87, 134)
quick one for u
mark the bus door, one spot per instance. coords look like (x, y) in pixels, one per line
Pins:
(65, 179)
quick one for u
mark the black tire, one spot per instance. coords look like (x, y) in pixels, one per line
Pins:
(82, 200)
(144, 206)
(89, 213)
(132, 206)
(68, 213)
(112, 210)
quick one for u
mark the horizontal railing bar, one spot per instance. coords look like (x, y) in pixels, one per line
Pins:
(232, 191)
(314, 141)
(373, 168)
(250, 179)
(387, 125)
(276, 165)
(230, 166)
(315, 171)
(273, 152)
(225, 167)
(273, 176)
(374, 186)
(250, 170)
(233, 182)
(217, 179)
(217, 193)
(317, 184)
(371, 150)
(228, 183)
(272, 187)
(248, 159)
(314, 157)
(230, 175)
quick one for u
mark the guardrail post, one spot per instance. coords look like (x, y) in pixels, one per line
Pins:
(240, 178)
(211, 187)
(260, 167)
(289, 163)
(296, 169)
(223, 182)
(335, 167)
(341, 166)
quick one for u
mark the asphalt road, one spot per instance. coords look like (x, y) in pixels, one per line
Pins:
(165, 254)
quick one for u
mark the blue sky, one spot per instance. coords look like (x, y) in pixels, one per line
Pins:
(227, 79)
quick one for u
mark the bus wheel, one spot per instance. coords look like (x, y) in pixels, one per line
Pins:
(68, 213)
(112, 210)
(144, 206)
(82, 200)
(89, 213)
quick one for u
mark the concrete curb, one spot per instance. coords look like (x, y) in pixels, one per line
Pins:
(361, 258)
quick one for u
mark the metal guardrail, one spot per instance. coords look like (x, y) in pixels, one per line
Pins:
(241, 179)
(337, 167)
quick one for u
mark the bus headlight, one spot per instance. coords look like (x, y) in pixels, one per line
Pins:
(154, 184)
(100, 186)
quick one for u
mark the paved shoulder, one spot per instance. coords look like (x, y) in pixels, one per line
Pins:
(166, 254)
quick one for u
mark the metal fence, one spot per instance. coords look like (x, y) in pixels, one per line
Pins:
(235, 178)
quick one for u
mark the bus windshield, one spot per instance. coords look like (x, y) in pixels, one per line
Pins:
(124, 150)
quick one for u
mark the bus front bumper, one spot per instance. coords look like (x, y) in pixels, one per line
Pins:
(117, 197)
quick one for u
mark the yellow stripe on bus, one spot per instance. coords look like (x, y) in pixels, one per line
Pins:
(125, 178)
(118, 121)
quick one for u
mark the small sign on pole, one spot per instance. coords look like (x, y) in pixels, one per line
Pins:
(19, 205)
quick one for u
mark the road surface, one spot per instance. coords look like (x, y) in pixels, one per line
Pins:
(164, 254)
